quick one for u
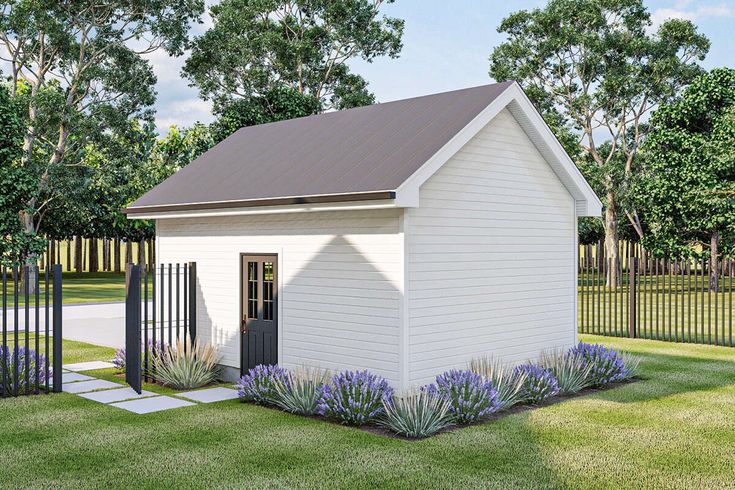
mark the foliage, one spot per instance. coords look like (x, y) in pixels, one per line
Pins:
(119, 361)
(470, 397)
(540, 383)
(15, 185)
(571, 373)
(259, 384)
(277, 104)
(10, 360)
(355, 398)
(632, 365)
(78, 70)
(186, 365)
(689, 187)
(596, 69)
(419, 414)
(507, 382)
(605, 364)
(300, 391)
(303, 45)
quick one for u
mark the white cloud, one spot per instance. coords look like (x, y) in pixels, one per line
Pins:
(683, 9)
(183, 113)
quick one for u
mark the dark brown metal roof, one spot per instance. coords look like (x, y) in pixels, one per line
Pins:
(356, 154)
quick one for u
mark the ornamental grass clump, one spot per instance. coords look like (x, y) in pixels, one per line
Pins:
(259, 384)
(416, 415)
(300, 392)
(571, 373)
(186, 365)
(355, 398)
(10, 361)
(605, 364)
(540, 384)
(507, 382)
(470, 397)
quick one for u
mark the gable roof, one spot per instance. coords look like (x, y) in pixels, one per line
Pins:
(362, 154)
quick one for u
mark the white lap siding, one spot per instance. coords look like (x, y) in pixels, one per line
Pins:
(490, 256)
(341, 281)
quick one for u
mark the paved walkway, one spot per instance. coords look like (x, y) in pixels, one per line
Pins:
(123, 397)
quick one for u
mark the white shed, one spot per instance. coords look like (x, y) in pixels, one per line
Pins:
(405, 238)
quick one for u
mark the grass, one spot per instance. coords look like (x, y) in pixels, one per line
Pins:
(675, 429)
(86, 287)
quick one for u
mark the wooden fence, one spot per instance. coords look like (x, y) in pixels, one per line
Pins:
(658, 299)
(80, 254)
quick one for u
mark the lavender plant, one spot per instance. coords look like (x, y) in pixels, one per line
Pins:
(259, 384)
(300, 392)
(418, 414)
(540, 383)
(10, 360)
(571, 373)
(355, 398)
(605, 364)
(470, 397)
(120, 354)
(508, 382)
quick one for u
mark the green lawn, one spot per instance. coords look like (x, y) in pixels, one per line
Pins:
(87, 287)
(674, 429)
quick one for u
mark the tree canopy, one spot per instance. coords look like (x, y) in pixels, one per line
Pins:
(688, 188)
(256, 47)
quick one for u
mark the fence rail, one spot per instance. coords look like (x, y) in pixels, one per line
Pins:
(660, 299)
(30, 352)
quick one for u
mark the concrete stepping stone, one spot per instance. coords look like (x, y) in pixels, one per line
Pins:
(72, 377)
(112, 396)
(87, 386)
(154, 404)
(88, 366)
(210, 395)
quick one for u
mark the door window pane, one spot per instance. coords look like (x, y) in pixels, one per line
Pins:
(252, 290)
(268, 277)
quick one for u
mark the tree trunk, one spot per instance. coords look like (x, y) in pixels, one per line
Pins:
(68, 255)
(714, 245)
(151, 257)
(94, 255)
(78, 258)
(128, 251)
(52, 253)
(141, 252)
(117, 255)
(611, 242)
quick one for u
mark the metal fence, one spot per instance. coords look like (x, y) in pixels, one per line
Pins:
(160, 309)
(30, 353)
(655, 298)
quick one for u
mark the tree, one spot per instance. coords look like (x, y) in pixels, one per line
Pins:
(277, 104)
(688, 189)
(14, 186)
(593, 68)
(89, 55)
(255, 47)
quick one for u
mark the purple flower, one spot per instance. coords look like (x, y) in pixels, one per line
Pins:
(355, 398)
(119, 359)
(121, 354)
(470, 397)
(10, 360)
(606, 365)
(540, 383)
(258, 385)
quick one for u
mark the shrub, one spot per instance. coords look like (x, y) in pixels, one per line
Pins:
(571, 373)
(187, 365)
(10, 360)
(606, 365)
(354, 398)
(258, 384)
(470, 398)
(508, 382)
(418, 414)
(540, 384)
(300, 392)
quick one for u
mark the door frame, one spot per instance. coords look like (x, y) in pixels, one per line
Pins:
(279, 303)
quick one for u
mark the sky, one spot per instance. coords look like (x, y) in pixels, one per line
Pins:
(446, 45)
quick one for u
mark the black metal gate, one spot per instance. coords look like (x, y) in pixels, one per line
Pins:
(31, 343)
(160, 310)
